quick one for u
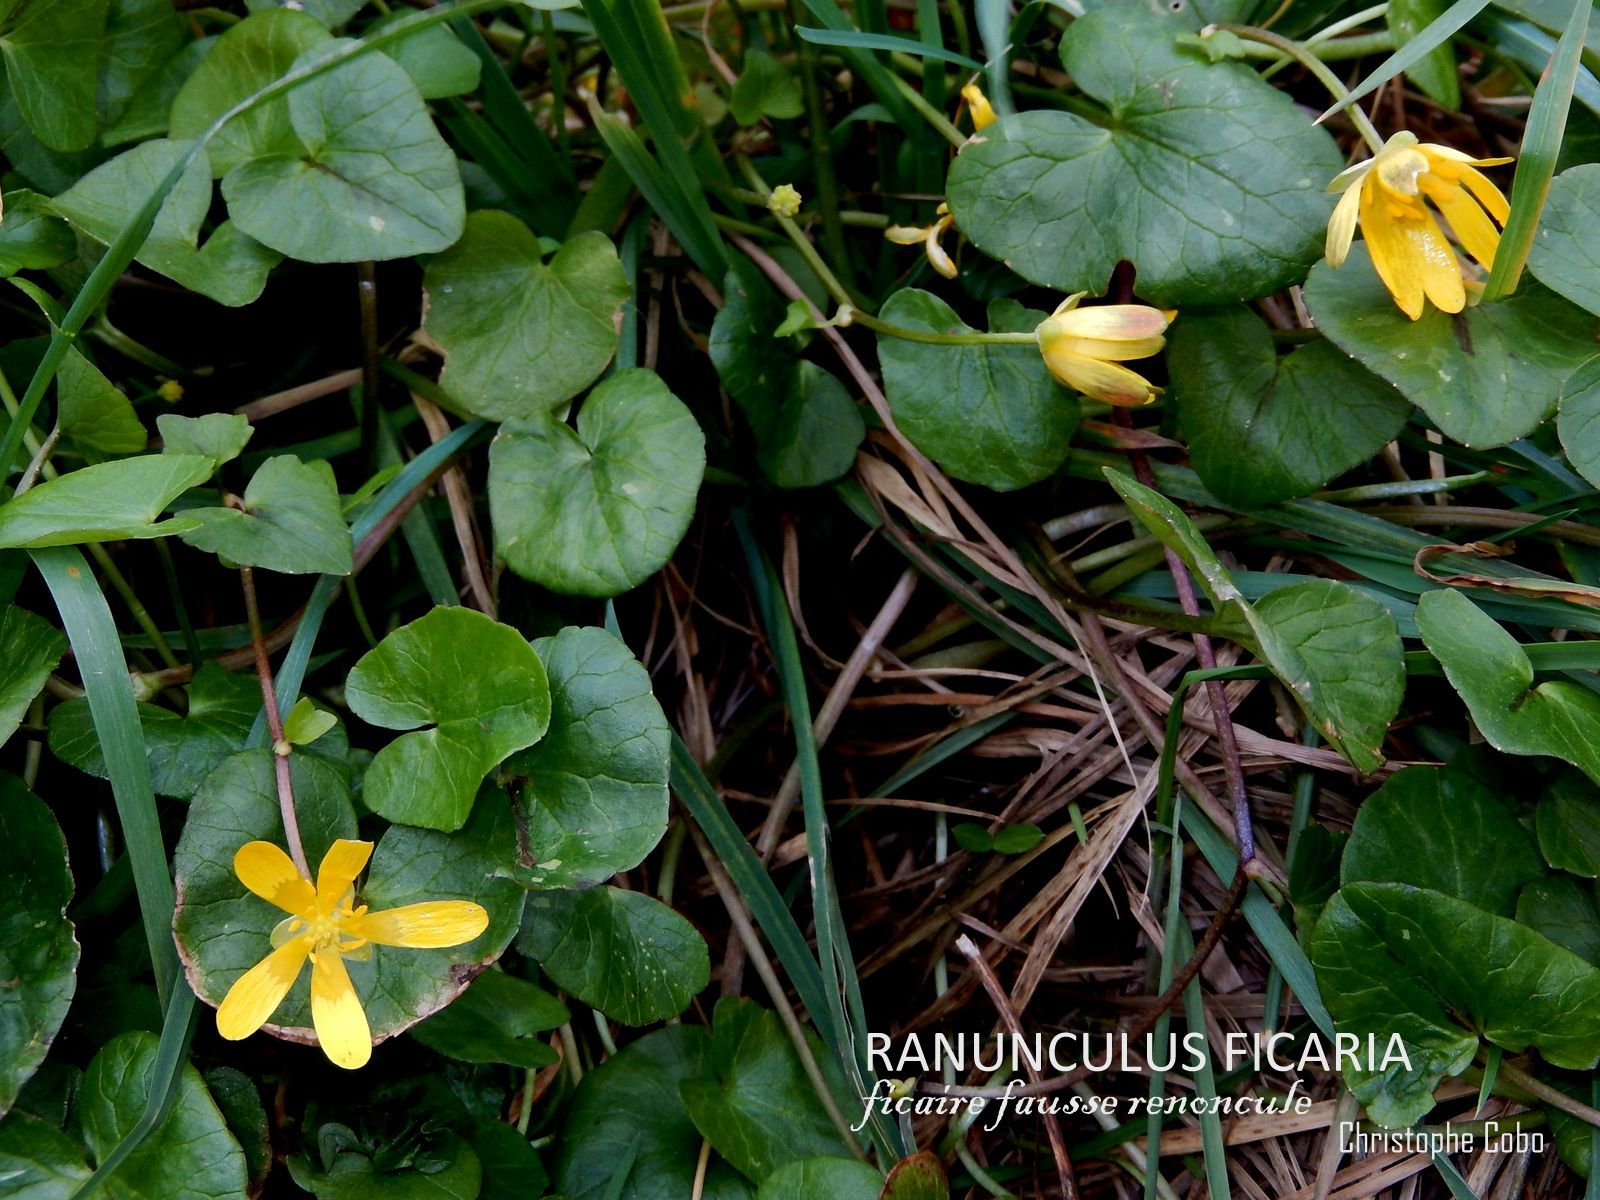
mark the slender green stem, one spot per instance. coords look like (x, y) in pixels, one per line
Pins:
(934, 338)
(802, 243)
(930, 114)
(1316, 66)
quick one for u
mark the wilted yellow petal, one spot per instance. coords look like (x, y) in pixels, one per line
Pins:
(940, 261)
(906, 235)
(1342, 227)
(344, 860)
(267, 871)
(1468, 221)
(336, 1012)
(978, 105)
(426, 926)
(256, 994)
(1101, 380)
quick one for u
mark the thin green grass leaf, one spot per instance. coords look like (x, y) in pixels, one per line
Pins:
(1459, 1187)
(1541, 144)
(864, 63)
(884, 41)
(1438, 32)
(994, 30)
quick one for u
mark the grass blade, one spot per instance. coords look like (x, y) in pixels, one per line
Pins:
(1438, 32)
(1541, 143)
(884, 41)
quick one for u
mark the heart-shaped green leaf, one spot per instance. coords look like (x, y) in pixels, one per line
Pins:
(520, 337)
(1486, 376)
(30, 647)
(1564, 911)
(592, 794)
(103, 503)
(989, 414)
(597, 510)
(92, 412)
(1208, 179)
(1564, 256)
(805, 424)
(480, 686)
(222, 930)
(622, 952)
(1492, 673)
(31, 238)
(221, 437)
(41, 953)
(823, 1179)
(496, 1020)
(245, 59)
(1568, 824)
(374, 180)
(1578, 421)
(1335, 648)
(292, 522)
(230, 267)
(52, 52)
(1264, 427)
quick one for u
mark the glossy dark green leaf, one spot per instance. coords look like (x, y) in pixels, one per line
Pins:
(223, 930)
(592, 794)
(597, 510)
(292, 522)
(221, 437)
(51, 50)
(31, 238)
(454, 1174)
(92, 412)
(140, 37)
(1491, 672)
(622, 952)
(38, 952)
(521, 337)
(1486, 376)
(1265, 427)
(245, 59)
(238, 1098)
(191, 1155)
(1439, 828)
(30, 648)
(823, 1179)
(511, 1166)
(38, 1160)
(806, 424)
(1578, 420)
(628, 1110)
(230, 267)
(1392, 958)
(373, 179)
(1568, 824)
(1336, 649)
(1208, 179)
(496, 1020)
(103, 503)
(1564, 256)
(480, 687)
(988, 414)
(1564, 911)
(757, 1108)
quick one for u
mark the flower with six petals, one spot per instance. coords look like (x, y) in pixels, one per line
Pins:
(1389, 196)
(326, 926)
(1086, 347)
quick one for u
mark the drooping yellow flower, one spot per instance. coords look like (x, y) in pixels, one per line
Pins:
(1085, 348)
(928, 235)
(1390, 195)
(326, 926)
(978, 105)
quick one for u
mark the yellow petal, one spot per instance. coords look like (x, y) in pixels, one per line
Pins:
(1101, 380)
(1109, 322)
(1119, 351)
(256, 994)
(425, 926)
(336, 1011)
(1342, 227)
(978, 104)
(941, 261)
(1468, 221)
(1391, 252)
(267, 871)
(1441, 269)
(1484, 190)
(906, 235)
(344, 860)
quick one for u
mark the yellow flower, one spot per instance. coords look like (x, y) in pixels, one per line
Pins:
(785, 200)
(1391, 203)
(1085, 347)
(327, 927)
(928, 235)
(980, 108)
(170, 390)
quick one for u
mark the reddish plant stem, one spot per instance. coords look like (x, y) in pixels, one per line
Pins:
(1233, 768)
(280, 746)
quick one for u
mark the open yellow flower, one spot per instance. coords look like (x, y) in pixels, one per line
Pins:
(978, 105)
(1086, 347)
(326, 926)
(928, 235)
(1390, 195)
